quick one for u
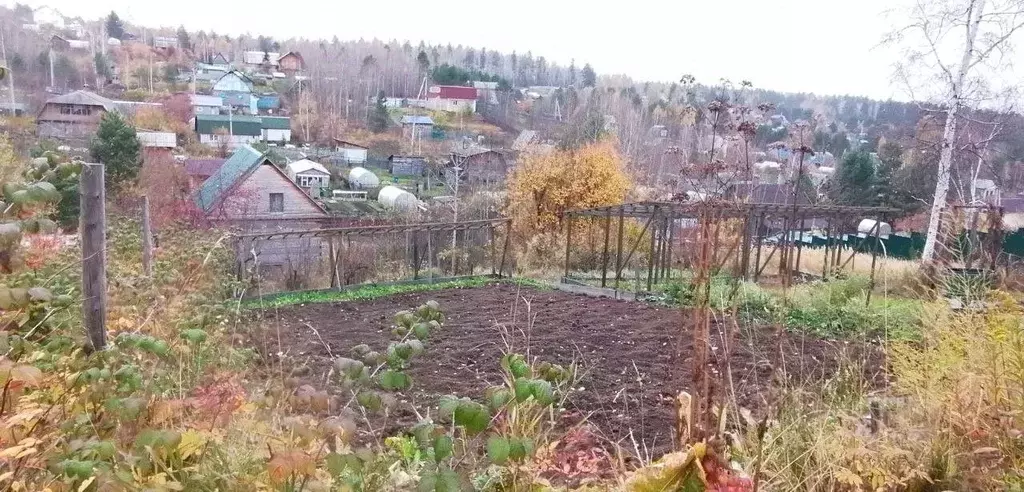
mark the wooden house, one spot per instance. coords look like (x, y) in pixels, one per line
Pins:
(407, 165)
(349, 152)
(417, 126)
(291, 63)
(481, 166)
(235, 88)
(311, 176)
(73, 115)
(249, 194)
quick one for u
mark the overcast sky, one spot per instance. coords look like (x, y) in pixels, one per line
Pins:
(819, 46)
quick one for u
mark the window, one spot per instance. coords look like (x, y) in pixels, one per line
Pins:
(277, 202)
(65, 110)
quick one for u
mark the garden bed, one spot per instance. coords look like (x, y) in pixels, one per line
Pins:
(625, 349)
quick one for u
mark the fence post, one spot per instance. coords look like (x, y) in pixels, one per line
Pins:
(147, 239)
(94, 260)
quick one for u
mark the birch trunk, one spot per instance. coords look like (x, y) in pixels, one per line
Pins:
(955, 104)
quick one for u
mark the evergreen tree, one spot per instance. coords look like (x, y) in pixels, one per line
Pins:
(483, 58)
(183, 40)
(423, 61)
(102, 66)
(116, 146)
(890, 156)
(115, 28)
(379, 119)
(854, 183)
(589, 77)
(572, 73)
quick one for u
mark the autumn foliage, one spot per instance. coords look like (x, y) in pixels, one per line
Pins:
(544, 186)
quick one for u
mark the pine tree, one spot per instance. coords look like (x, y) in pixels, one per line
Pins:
(589, 77)
(379, 119)
(115, 28)
(183, 40)
(855, 182)
(116, 146)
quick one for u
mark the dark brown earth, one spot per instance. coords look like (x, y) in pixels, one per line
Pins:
(626, 349)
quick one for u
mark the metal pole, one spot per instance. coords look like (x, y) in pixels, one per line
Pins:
(416, 257)
(332, 262)
(604, 255)
(94, 256)
(493, 258)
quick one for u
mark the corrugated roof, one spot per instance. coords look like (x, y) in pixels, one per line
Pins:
(277, 123)
(452, 92)
(258, 57)
(306, 165)
(203, 167)
(84, 98)
(203, 100)
(240, 164)
(207, 124)
(416, 120)
(346, 143)
(349, 208)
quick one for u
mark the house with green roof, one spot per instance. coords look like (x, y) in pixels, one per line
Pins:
(233, 130)
(277, 128)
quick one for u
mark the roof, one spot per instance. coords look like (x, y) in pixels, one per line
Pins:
(471, 150)
(202, 167)
(306, 165)
(207, 124)
(257, 57)
(525, 138)
(417, 120)
(241, 163)
(406, 157)
(84, 98)
(202, 100)
(277, 123)
(777, 194)
(451, 92)
(346, 143)
(245, 78)
(296, 54)
(349, 208)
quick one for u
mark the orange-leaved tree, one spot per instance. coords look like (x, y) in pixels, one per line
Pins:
(545, 185)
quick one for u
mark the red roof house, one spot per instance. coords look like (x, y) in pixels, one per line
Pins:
(454, 98)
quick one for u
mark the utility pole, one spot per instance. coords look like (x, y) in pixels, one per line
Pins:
(147, 239)
(151, 73)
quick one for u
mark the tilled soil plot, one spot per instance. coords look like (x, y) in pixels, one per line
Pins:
(625, 349)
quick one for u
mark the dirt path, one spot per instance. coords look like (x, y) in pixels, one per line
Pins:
(625, 347)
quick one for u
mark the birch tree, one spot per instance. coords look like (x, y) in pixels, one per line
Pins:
(954, 52)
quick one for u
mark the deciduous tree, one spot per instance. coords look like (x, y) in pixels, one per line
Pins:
(544, 186)
(953, 51)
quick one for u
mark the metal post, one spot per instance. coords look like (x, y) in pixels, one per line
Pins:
(604, 255)
(828, 243)
(800, 246)
(618, 248)
(147, 238)
(568, 243)
(94, 259)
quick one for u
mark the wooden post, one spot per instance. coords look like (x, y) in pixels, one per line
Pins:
(568, 243)
(415, 256)
(618, 248)
(93, 229)
(504, 249)
(652, 253)
(332, 263)
(604, 255)
(147, 239)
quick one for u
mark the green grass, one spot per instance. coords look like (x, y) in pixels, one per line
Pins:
(376, 291)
